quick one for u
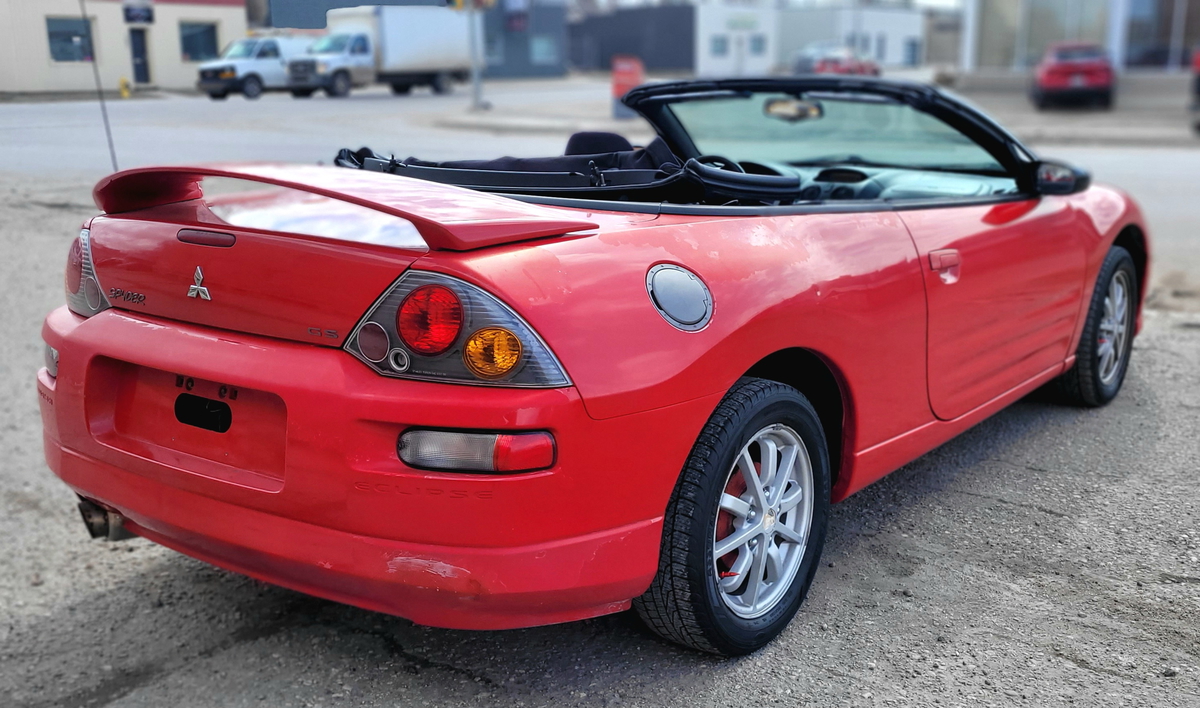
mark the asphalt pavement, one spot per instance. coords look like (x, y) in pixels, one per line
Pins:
(1050, 556)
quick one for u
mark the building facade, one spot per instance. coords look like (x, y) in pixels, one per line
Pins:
(891, 35)
(1013, 34)
(49, 45)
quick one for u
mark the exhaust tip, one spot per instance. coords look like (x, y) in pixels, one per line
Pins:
(102, 523)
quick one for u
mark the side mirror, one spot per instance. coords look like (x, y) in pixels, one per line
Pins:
(1060, 178)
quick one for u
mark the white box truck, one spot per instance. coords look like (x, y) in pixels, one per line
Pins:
(396, 45)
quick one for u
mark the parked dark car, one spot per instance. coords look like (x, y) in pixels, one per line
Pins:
(1075, 72)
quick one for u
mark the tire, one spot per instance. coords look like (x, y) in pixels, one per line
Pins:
(401, 89)
(218, 96)
(1093, 381)
(1105, 100)
(686, 602)
(252, 87)
(339, 85)
(442, 84)
(302, 93)
(1039, 100)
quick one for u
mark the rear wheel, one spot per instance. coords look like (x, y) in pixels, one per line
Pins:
(218, 96)
(1105, 99)
(745, 526)
(1104, 348)
(339, 85)
(442, 83)
(252, 87)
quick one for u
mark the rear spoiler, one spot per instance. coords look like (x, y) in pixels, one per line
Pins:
(448, 218)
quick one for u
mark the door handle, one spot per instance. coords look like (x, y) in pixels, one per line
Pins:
(944, 259)
(945, 263)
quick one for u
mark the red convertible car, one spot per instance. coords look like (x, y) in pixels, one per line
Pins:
(501, 393)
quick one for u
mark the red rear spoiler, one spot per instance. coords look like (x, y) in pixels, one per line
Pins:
(448, 218)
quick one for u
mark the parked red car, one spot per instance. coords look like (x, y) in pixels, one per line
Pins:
(1074, 71)
(833, 58)
(1195, 107)
(501, 393)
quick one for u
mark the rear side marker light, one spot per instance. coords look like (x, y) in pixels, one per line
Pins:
(476, 452)
(74, 276)
(373, 342)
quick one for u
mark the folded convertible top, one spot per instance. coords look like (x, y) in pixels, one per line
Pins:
(448, 218)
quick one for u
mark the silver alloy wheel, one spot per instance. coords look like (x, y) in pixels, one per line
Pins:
(1115, 325)
(771, 520)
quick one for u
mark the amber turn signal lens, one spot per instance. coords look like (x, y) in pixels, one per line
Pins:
(492, 352)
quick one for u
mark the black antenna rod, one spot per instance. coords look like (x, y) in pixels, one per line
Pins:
(112, 150)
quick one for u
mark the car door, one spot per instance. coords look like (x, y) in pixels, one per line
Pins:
(362, 62)
(1003, 283)
(271, 65)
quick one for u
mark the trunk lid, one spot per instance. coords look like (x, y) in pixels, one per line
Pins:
(302, 256)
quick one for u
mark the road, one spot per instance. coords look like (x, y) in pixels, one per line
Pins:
(1050, 556)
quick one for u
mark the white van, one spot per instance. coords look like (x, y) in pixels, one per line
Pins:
(251, 66)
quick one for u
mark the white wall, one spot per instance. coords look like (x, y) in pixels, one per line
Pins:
(744, 29)
(26, 64)
(802, 26)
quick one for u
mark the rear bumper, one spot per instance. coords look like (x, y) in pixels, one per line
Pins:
(347, 520)
(1074, 92)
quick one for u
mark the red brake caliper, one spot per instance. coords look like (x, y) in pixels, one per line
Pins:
(736, 488)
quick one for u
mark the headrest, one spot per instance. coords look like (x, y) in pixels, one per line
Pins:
(593, 143)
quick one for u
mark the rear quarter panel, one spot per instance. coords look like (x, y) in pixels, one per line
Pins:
(845, 286)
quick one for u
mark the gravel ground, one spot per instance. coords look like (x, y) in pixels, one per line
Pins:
(1050, 556)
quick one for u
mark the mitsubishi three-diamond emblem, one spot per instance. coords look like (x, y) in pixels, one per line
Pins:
(198, 290)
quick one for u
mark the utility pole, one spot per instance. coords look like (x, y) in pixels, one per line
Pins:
(477, 102)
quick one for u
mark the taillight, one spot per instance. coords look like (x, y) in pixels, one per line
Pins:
(74, 277)
(85, 297)
(434, 327)
(476, 452)
(430, 320)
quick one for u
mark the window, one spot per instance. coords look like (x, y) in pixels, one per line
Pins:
(198, 41)
(758, 45)
(543, 50)
(269, 50)
(719, 46)
(360, 46)
(243, 49)
(881, 47)
(493, 47)
(70, 39)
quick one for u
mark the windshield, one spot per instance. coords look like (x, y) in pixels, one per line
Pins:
(332, 44)
(1079, 53)
(243, 49)
(865, 130)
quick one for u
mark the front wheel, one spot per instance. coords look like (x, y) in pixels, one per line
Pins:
(743, 532)
(218, 96)
(1107, 341)
(339, 85)
(252, 87)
